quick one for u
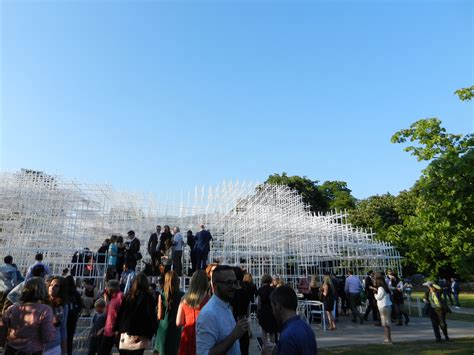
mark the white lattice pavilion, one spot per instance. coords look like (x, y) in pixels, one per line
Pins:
(264, 228)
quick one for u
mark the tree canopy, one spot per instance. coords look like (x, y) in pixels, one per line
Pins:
(431, 224)
(439, 233)
(465, 94)
(331, 195)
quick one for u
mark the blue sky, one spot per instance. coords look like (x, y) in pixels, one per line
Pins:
(163, 95)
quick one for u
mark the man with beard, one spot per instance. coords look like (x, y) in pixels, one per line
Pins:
(296, 336)
(216, 330)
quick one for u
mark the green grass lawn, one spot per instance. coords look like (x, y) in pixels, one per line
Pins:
(465, 299)
(428, 347)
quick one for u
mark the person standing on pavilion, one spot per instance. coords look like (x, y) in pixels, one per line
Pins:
(132, 250)
(203, 239)
(178, 245)
(152, 249)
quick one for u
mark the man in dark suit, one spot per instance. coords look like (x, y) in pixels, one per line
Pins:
(190, 239)
(152, 245)
(202, 245)
(132, 248)
(370, 297)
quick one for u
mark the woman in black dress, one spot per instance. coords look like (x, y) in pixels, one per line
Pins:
(266, 319)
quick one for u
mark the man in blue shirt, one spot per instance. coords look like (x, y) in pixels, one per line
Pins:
(216, 330)
(352, 289)
(38, 261)
(296, 336)
(8, 278)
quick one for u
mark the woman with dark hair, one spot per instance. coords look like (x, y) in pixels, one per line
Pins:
(384, 304)
(167, 258)
(136, 320)
(165, 235)
(396, 286)
(168, 334)
(266, 319)
(189, 310)
(74, 304)
(57, 299)
(30, 322)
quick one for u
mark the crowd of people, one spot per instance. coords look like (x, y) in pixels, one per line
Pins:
(40, 311)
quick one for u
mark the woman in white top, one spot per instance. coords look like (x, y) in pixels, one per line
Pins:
(382, 295)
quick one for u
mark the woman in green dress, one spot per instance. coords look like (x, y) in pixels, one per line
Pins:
(168, 334)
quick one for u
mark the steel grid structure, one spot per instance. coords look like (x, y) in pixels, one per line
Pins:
(264, 228)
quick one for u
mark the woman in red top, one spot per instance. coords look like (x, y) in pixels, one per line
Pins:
(189, 309)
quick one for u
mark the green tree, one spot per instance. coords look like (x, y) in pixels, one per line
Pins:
(439, 233)
(329, 196)
(377, 212)
(337, 195)
(307, 188)
(465, 94)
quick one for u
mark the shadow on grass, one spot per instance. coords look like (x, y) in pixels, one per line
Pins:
(457, 346)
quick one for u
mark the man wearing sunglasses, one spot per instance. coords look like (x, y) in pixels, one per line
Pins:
(216, 330)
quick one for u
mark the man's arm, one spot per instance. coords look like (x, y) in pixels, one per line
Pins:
(224, 346)
(206, 333)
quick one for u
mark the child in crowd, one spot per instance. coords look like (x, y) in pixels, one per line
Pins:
(89, 296)
(98, 324)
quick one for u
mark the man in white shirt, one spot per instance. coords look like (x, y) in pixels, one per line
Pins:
(178, 244)
(216, 330)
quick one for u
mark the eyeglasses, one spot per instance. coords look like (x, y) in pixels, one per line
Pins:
(228, 282)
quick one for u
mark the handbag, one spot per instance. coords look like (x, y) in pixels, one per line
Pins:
(133, 342)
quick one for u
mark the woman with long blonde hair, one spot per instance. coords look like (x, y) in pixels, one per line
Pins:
(168, 334)
(190, 307)
(327, 292)
(313, 289)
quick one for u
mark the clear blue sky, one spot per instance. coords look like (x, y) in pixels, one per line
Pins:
(163, 95)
